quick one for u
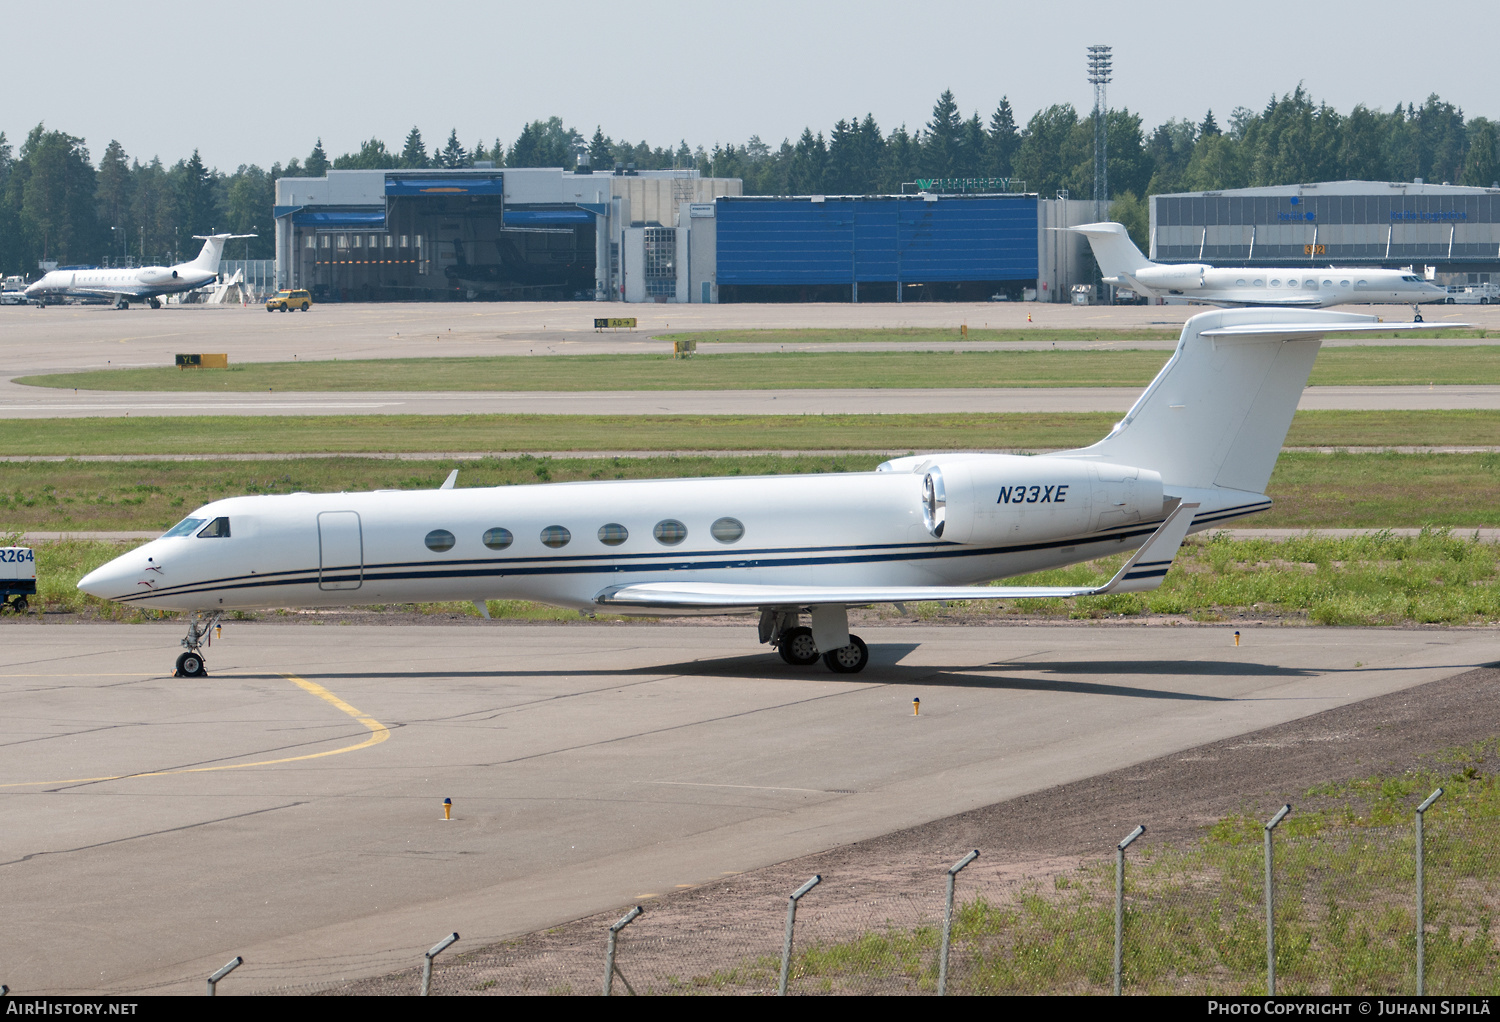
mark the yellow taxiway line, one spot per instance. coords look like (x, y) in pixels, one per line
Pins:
(378, 733)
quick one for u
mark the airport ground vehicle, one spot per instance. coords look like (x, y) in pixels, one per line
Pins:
(286, 299)
(17, 577)
(1473, 294)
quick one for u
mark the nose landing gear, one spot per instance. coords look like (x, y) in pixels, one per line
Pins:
(1416, 313)
(200, 624)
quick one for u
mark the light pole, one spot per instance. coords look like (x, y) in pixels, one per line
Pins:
(1100, 75)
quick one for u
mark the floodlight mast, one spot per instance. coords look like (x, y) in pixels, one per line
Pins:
(1100, 75)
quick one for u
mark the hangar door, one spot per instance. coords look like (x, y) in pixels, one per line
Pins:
(340, 550)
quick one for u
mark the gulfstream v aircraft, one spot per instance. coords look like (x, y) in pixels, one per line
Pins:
(1307, 286)
(1196, 450)
(135, 284)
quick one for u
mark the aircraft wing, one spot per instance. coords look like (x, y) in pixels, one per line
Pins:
(1261, 300)
(1143, 572)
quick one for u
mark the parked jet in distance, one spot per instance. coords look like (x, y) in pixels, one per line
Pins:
(134, 284)
(1195, 450)
(1307, 286)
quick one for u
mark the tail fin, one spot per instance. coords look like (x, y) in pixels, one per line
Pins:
(213, 250)
(1113, 249)
(1219, 410)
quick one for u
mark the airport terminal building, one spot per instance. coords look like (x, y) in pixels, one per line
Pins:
(1453, 229)
(661, 236)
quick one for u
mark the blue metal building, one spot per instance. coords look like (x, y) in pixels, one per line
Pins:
(833, 248)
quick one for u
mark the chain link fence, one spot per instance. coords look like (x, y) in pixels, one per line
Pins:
(1193, 922)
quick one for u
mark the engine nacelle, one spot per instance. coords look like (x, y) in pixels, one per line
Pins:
(1170, 277)
(158, 277)
(1008, 499)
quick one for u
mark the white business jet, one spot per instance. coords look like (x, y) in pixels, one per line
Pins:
(124, 285)
(1310, 287)
(1196, 450)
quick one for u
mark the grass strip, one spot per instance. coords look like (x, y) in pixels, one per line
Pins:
(1194, 918)
(1310, 490)
(977, 332)
(333, 434)
(1353, 366)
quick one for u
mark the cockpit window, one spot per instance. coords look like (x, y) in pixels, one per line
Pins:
(186, 527)
(216, 529)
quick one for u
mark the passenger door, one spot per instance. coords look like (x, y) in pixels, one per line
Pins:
(340, 550)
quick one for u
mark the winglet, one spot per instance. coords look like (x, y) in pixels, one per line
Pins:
(1145, 570)
(453, 478)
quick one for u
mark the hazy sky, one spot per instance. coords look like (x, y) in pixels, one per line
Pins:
(258, 82)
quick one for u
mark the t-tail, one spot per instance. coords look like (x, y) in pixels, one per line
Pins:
(213, 250)
(1215, 417)
(1116, 254)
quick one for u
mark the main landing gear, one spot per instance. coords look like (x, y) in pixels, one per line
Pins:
(155, 303)
(797, 646)
(200, 624)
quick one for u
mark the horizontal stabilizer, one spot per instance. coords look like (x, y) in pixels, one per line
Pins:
(1141, 573)
(1261, 331)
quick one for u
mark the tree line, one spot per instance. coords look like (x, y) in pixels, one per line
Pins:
(56, 204)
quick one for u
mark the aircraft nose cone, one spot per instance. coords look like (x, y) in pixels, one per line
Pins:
(115, 579)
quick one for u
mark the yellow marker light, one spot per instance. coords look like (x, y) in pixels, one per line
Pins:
(447, 809)
(1236, 638)
(916, 707)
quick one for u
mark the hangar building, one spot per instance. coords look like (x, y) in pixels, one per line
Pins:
(1452, 228)
(390, 235)
(660, 236)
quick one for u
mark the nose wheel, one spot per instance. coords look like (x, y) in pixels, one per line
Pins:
(200, 625)
(1416, 313)
(190, 665)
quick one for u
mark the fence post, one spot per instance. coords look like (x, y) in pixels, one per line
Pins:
(1422, 897)
(1271, 905)
(213, 981)
(609, 955)
(948, 922)
(791, 921)
(427, 958)
(1120, 899)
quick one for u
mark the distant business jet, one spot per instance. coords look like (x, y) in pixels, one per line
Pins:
(1297, 286)
(1195, 450)
(140, 284)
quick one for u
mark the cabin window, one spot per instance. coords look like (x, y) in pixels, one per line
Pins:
(1260, 283)
(669, 532)
(186, 527)
(1240, 282)
(555, 536)
(1310, 283)
(1275, 283)
(440, 540)
(727, 530)
(1361, 283)
(216, 529)
(1291, 283)
(613, 534)
(498, 539)
(1328, 283)
(1343, 283)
